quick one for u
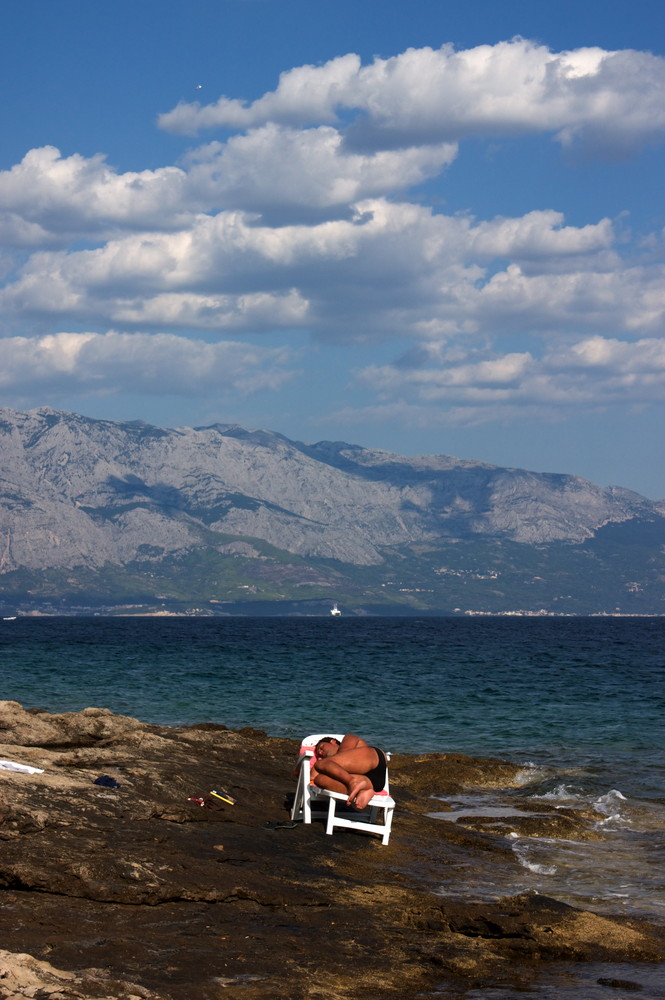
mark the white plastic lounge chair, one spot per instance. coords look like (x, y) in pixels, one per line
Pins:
(311, 801)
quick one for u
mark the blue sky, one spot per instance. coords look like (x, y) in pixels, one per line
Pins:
(419, 226)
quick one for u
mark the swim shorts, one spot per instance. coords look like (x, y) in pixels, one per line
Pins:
(378, 774)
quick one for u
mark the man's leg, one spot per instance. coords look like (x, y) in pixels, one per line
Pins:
(346, 771)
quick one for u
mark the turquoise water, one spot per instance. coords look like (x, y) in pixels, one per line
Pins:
(578, 703)
(567, 692)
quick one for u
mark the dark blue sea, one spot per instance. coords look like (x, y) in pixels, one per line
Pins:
(578, 703)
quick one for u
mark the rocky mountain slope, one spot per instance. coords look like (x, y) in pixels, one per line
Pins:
(81, 496)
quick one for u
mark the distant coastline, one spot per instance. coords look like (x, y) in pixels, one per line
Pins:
(248, 610)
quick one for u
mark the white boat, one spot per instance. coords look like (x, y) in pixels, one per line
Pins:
(334, 611)
(10, 618)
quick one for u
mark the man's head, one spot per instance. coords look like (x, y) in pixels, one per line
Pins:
(327, 747)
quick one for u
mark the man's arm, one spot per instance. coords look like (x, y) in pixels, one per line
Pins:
(351, 742)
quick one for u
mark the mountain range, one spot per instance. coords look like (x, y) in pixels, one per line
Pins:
(98, 515)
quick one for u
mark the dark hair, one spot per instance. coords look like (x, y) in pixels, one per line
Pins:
(327, 739)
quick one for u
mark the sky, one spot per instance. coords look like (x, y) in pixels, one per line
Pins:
(414, 225)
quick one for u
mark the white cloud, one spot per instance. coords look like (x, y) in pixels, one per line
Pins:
(479, 387)
(251, 311)
(277, 166)
(73, 196)
(539, 234)
(619, 299)
(15, 231)
(302, 223)
(618, 359)
(101, 364)
(605, 99)
(396, 269)
(49, 200)
(305, 94)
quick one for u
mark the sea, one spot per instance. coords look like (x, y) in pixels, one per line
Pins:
(577, 703)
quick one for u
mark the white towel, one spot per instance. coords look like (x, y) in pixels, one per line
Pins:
(10, 765)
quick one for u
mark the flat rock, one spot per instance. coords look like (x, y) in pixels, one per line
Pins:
(130, 889)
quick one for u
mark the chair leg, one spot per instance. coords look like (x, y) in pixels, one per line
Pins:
(332, 804)
(296, 808)
(302, 808)
(388, 822)
(370, 824)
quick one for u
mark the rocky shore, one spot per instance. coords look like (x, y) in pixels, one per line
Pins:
(127, 889)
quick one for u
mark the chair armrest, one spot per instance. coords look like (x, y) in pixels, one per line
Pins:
(301, 758)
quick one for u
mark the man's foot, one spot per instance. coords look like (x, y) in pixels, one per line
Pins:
(360, 792)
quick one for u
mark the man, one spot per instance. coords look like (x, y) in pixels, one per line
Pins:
(351, 766)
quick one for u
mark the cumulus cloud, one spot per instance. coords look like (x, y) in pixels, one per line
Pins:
(604, 99)
(301, 219)
(539, 235)
(305, 94)
(453, 386)
(49, 200)
(96, 363)
(619, 299)
(394, 269)
(274, 166)
(66, 197)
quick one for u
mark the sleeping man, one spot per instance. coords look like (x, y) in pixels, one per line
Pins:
(352, 767)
